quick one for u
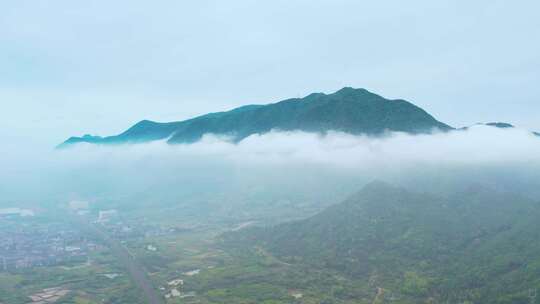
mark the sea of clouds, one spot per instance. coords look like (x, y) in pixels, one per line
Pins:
(506, 159)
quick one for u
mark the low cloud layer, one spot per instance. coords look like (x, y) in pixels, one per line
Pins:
(291, 161)
(479, 145)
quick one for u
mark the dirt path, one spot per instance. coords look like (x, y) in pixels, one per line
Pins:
(379, 298)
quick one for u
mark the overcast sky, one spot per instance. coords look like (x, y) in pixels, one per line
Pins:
(76, 67)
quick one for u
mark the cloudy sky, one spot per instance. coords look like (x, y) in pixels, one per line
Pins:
(75, 67)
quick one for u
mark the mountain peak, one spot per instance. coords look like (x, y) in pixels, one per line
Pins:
(377, 185)
(348, 110)
(375, 191)
(353, 91)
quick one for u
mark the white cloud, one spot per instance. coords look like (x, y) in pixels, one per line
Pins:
(299, 162)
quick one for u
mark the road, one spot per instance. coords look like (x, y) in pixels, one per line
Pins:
(135, 269)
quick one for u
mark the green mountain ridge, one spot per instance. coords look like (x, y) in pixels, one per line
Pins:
(478, 246)
(354, 111)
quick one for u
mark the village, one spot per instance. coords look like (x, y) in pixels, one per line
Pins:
(27, 242)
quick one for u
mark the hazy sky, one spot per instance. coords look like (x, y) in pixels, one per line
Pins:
(75, 67)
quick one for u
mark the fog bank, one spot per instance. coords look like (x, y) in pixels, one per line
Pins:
(287, 165)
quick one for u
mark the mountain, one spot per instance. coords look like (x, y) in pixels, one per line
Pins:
(478, 246)
(500, 125)
(354, 111)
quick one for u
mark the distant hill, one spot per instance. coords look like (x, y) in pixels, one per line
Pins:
(354, 111)
(478, 245)
(500, 125)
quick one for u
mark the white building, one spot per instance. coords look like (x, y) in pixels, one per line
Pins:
(106, 215)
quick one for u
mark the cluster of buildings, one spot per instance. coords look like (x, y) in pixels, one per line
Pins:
(35, 245)
(15, 212)
(174, 290)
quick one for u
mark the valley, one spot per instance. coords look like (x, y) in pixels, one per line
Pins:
(382, 245)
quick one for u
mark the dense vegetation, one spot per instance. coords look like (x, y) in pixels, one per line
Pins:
(478, 245)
